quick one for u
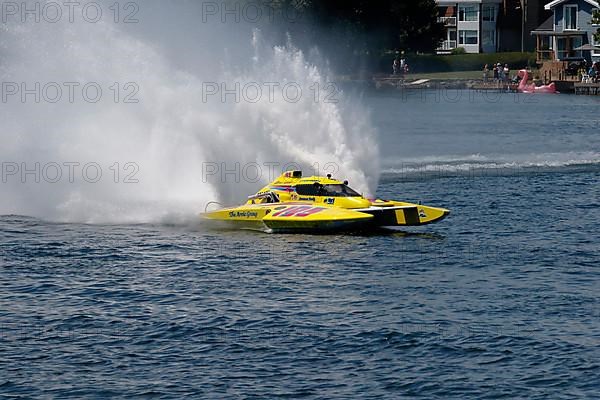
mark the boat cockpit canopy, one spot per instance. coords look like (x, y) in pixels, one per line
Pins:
(329, 190)
(262, 198)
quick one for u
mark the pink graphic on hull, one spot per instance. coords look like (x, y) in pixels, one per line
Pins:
(298, 211)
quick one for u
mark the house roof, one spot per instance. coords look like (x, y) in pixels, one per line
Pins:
(554, 3)
(547, 29)
(547, 25)
(559, 34)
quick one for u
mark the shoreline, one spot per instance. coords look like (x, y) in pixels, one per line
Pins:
(390, 83)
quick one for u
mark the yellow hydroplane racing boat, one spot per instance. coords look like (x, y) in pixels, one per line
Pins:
(293, 203)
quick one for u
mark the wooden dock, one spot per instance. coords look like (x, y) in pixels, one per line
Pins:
(587, 88)
(496, 87)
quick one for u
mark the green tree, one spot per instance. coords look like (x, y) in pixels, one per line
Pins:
(596, 21)
(355, 33)
(384, 24)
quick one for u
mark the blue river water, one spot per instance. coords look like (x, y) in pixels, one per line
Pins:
(500, 300)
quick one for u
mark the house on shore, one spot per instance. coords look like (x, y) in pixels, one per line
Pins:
(567, 31)
(488, 26)
(470, 24)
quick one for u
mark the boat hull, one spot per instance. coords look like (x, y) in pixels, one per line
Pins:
(306, 217)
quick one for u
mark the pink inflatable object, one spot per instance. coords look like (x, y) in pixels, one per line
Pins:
(531, 88)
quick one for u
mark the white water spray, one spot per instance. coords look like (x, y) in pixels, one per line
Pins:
(157, 155)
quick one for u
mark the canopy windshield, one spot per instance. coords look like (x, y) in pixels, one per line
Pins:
(334, 190)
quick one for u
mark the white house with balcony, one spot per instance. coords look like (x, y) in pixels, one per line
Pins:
(470, 24)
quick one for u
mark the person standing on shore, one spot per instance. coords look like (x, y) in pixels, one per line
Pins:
(506, 72)
(396, 66)
(496, 76)
(591, 74)
(500, 72)
(486, 71)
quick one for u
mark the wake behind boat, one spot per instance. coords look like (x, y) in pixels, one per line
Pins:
(293, 203)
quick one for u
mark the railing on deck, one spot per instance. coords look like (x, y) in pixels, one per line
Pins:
(447, 45)
(448, 21)
(545, 55)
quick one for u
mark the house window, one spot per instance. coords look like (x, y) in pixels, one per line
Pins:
(488, 38)
(570, 18)
(546, 43)
(467, 13)
(467, 37)
(575, 43)
(489, 13)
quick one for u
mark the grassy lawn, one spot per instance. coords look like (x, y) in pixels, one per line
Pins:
(448, 75)
(475, 75)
